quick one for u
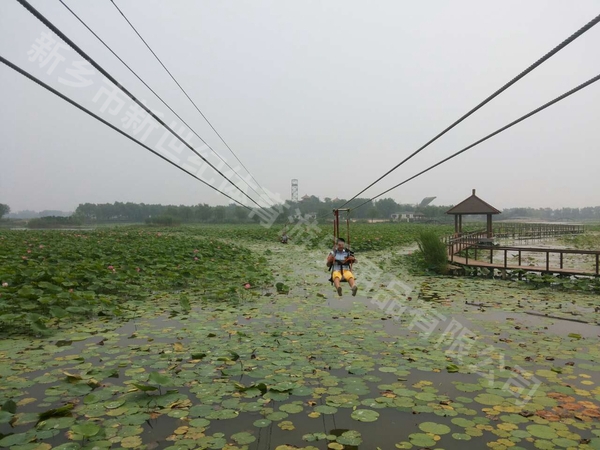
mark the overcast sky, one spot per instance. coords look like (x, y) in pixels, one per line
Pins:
(332, 93)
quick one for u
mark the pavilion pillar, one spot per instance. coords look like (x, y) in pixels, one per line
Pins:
(489, 226)
(456, 224)
(460, 224)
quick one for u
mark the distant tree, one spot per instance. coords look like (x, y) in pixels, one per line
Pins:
(203, 212)
(386, 207)
(323, 212)
(219, 213)
(240, 213)
(139, 212)
(372, 213)
(4, 210)
(432, 211)
(54, 212)
(86, 210)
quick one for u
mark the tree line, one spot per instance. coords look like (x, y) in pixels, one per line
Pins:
(140, 212)
(381, 209)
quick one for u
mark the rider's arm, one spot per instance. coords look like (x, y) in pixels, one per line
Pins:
(330, 259)
(350, 259)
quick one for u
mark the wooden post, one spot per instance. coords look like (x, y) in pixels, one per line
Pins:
(505, 255)
(561, 260)
(519, 257)
(491, 256)
(547, 261)
(597, 263)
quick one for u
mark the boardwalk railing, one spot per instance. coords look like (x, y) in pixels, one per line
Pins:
(557, 264)
(457, 243)
(466, 249)
(524, 231)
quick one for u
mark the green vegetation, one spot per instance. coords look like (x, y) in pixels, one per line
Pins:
(4, 210)
(208, 370)
(52, 276)
(203, 213)
(55, 222)
(363, 236)
(167, 221)
(433, 251)
(378, 236)
(381, 209)
(588, 241)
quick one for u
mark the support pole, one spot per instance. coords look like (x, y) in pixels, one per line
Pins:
(348, 230)
(336, 226)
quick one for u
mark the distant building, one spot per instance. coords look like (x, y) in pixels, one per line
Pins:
(305, 197)
(407, 216)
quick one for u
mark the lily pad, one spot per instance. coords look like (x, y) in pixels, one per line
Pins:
(421, 440)
(542, 431)
(86, 430)
(365, 415)
(324, 409)
(461, 436)
(277, 415)
(261, 423)
(489, 399)
(243, 438)
(291, 408)
(350, 438)
(5, 416)
(435, 428)
(223, 414)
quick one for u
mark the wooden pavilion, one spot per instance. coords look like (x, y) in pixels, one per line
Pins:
(473, 205)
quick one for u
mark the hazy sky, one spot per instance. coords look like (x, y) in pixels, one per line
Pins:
(332, 93)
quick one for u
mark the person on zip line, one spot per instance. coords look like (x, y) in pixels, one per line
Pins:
(340, 260)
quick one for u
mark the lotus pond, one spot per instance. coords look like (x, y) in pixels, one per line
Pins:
(202, 338)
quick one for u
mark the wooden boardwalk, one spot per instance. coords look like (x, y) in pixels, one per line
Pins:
(468, 250)
(541, 269)
(534, 231)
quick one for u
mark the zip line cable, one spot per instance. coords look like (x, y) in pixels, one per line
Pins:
(186, 94)
(158, 96)
(108, 124)
(498, 131)
(89, 59)
(544, 58)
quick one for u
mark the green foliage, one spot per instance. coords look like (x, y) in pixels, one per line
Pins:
(590, 285)
(587, 241)
(216, 375)
(434, 251)
(49, 276)
(377, 236)
(55, 222)
(140, 213)
(282, 288)
(4, 210)
(167, 221)
(363, 236)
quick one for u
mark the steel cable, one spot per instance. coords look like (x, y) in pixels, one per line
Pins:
(108, 124)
